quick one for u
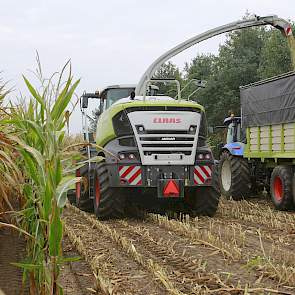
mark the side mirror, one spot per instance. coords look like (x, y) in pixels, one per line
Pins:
(86, 96)
(84, 104)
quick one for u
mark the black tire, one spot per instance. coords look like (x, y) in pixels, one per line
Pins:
(239, 185)
(108, 202)
(204, 200)
(281, 189)
(82, 200)
(71, 194)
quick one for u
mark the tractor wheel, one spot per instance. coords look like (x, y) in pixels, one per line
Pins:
(204, 200)
(281, 189)
(234, 177)
(108, 202)
(83, 201)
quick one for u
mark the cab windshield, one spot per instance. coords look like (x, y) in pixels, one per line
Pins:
(230, 133)
(234, 133)
(115, 94)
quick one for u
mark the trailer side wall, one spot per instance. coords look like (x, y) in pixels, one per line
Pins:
(272, 141)
(268, 114)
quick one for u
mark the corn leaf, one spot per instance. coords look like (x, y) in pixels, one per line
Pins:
(63, 187)
(55, 234)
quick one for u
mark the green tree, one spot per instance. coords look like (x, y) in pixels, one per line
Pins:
(275, 55)
(168, 71)
(202, 68)
(236, 65)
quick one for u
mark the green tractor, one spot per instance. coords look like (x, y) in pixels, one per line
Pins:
(154, 155)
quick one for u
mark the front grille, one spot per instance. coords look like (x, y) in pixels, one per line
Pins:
(167, 152)
(169, 141)
(165, 132)
(159, 138)
(162, 143)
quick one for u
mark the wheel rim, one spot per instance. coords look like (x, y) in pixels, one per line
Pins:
(78, 186)
(97, 192)
(226, 175)
(278, 188)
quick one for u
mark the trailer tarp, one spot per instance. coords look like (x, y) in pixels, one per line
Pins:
(269, 102)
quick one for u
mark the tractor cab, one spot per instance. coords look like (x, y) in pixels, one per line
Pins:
(233, 125)
(234, 137)
(104, 100)
(112, 94)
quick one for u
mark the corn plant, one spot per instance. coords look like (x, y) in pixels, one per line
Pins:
(9, 172)
(39, 127)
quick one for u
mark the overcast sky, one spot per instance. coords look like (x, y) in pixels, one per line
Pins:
(112, 41)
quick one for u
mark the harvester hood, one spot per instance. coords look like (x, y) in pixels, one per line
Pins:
(105, 131)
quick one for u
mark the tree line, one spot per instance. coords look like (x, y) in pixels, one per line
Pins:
(247, 56)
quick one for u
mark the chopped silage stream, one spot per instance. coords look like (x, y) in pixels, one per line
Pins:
(236, 252)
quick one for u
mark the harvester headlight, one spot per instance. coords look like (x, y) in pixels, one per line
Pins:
(200, 156)
(127, 156)
(131, 156)
(192, 129)
(204, 156)
(140, 128)
(122, 156)
(208, 156)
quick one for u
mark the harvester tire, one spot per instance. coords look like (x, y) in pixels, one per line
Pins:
(234, 177)
(71, 194)
(83, 201)
(281, 189)
(108, 202)
(204, 200)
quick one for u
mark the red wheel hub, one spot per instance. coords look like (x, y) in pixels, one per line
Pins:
(278, 188)
(97, 192)
(78, 186)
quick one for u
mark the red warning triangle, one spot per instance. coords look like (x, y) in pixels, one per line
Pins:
(171, 189)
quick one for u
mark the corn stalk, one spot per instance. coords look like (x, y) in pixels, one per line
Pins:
(37, 134)
(10, 175)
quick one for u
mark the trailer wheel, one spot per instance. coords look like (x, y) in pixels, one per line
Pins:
(281, 187)
(83, 201)
(108, 202)
(234, 176)
(204, 200)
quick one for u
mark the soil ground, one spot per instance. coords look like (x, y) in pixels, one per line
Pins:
(76, 277)
(12, 249)
(247, 248)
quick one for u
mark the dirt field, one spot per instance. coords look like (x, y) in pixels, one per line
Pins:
(12, 249)
(76, 277)
(248, 247)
